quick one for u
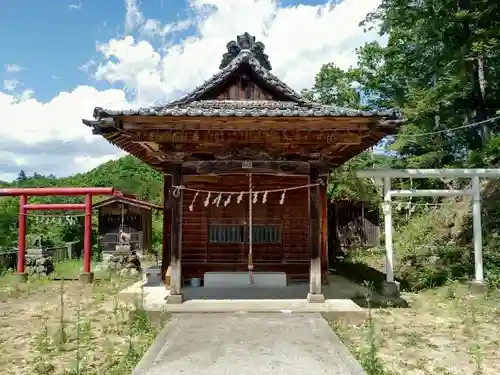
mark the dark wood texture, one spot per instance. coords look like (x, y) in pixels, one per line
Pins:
(324, 233)
(291, 255)
(167, 220)
(176, 220)
(136, 221)
(241, 166)
(243, 89)
(315, 216)
(160, 139)
(353, 225)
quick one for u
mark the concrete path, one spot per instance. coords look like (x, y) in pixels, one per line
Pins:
(244, 344)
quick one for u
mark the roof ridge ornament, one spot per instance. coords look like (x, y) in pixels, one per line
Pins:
(245, 42)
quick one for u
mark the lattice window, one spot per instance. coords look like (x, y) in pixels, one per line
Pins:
(263, 234)
(225, 234)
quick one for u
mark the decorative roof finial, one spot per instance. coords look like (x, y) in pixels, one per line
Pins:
(245, 42)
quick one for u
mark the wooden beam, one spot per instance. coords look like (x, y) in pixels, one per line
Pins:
(324, 232)
(176, 239)
(249, 136)
(206, 123)
(322, 168)
(167, 220)
(244, 166)
(315, 240)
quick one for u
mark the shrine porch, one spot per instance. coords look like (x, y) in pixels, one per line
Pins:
(339, 294)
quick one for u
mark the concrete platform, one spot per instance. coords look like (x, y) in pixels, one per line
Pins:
(244, 344)
(153, 299)
(242, 279)
(343, 309)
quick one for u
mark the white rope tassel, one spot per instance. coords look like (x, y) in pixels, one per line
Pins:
(264, 197)
(240, 197)
(191, 206)
(177, 191)
(207, 201)
(218, 199)
(228, 200)
(282, 200)
(255, 197)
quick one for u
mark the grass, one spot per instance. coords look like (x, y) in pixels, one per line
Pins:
(58, 327)
(446, 331)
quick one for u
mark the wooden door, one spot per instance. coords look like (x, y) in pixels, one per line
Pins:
(267, 230)
(226, 241)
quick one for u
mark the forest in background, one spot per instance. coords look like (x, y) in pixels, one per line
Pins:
(440, 66)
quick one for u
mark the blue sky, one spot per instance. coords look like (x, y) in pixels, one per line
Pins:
(52, 39)
(59, 59)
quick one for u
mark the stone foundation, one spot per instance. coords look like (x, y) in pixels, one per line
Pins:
(125, 261)
(38, 262)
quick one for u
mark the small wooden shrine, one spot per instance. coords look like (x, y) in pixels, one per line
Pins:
(129, 215)
(245, 159)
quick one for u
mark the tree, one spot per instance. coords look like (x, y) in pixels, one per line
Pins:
(441, 66)
(334, 86)
(22, 176)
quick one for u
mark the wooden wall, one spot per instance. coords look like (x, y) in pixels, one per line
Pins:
(251, 91)
(290, 256)
(352, 225)
(138, 222)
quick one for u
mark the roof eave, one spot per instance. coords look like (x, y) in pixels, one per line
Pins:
(132, 202)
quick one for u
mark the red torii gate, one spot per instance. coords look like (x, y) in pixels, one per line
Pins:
(24, 207)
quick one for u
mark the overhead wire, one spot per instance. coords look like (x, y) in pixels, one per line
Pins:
(448, 130)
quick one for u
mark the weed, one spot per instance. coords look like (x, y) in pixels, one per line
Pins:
(368, 356)
(44, 347)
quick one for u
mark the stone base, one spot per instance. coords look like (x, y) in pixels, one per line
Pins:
(315, 298)
(123, 249)
(87, 277)
(174, 299)
(21, 277)
(478, 287)
(390, 289)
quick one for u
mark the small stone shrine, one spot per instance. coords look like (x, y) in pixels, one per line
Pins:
(39, 262)
(124, 258)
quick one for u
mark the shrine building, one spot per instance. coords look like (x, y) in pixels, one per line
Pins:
(245, 160)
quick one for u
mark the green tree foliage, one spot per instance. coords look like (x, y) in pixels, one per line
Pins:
(334, 86)
(127, 174)
(439, 65)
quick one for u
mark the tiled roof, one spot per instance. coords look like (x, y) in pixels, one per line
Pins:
(127, 200)
(191, 105)
(241, 108)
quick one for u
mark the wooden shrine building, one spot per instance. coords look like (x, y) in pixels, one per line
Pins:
(244, 123)
(134, 216)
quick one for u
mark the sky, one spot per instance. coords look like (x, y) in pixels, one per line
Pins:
(61, 58)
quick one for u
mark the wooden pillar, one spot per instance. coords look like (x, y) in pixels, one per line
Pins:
(150, 231)
(315, 240)
(167, 218)
(176, 239)
(324, 232)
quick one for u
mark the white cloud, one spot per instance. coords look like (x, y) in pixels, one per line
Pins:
(13, 68)
(89, 162)
(298, 39)
(75, 6)
(49, 136)
(10, 84)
